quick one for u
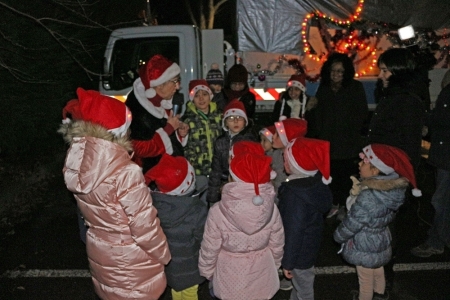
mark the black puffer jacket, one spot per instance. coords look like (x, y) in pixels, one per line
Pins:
(183, 221)
(399, 118)
(220, 166)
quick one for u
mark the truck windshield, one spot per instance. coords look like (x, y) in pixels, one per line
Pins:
(129, 54)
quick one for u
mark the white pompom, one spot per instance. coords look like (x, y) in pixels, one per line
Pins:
(273, 175)
(258, 200)
(150, 93)
(416, 193)
(326, 181)
(66, 121)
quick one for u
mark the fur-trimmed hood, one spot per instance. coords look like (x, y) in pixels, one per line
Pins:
(85, 129)
(385, 184)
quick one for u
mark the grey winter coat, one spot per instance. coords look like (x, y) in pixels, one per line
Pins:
(364, 231)
(183, 221)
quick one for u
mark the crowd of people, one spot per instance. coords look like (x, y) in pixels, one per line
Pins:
(171, 199)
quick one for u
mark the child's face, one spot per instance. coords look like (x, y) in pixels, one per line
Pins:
(294, 92)
(235, 124)
(215, 88)
(237, 86)
(366, 169)
(276, 141)
(201, 100)
(265, 143)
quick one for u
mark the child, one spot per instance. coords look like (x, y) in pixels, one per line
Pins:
(293, 101)
(204, 120)
(287, 130)
(237, 88)
(304, 199)
(364, 234)
(236, 128)
(183, 217)
(124, 239)
(266, 135)
(215, 81)
(243, 241)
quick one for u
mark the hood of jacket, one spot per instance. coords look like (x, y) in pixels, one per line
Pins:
(172, 210)
(314, 192)
(238, 208)
(387, 186)
(94, 155)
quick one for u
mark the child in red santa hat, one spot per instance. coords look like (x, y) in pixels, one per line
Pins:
(385, 173)
(237, 127)
(287, 130)
(183, 217)
(292, 102)
(266, 136)
(243, 242)
(151, 102)
(124, 239)
(304, 199)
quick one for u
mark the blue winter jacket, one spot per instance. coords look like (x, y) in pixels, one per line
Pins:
(303, 203)
(364, 231)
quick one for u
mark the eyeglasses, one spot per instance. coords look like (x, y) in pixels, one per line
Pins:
(338, 71)
(176, 81)
(235, 118)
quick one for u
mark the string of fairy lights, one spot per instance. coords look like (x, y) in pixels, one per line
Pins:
(359, 39)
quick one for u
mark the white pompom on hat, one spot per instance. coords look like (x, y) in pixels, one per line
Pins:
(389, 159)
(172, 175)
(91, 106)
(251, 168)
(155, 72)
(307, 156)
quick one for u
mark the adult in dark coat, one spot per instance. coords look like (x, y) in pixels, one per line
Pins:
(339, 118)
(153, 126)
(439, 156)
(236, 87)
(398, 118)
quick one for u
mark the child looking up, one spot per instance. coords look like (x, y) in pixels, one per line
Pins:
(243, 241)
(183, 217)
(304, 199)
(364, 234)
(236, 128)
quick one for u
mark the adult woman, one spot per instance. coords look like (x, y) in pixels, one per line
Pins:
(339, 118)
(398, 118)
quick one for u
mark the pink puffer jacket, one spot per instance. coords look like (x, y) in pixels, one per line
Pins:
(243, 244)
(125, 244)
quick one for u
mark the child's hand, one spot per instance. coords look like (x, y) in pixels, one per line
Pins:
(287, 273)
(183, 130)
(356, 187)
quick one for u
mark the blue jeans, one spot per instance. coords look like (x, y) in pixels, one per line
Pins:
(439, 233)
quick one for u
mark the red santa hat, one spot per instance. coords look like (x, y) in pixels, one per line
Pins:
(246, 147)
(106, 111)
(157, 71)
(234, 108)
(172, 175)
(268, 132)
(251, 168)
(289, 129)
(196, 85)
(307, 156)
(389, 159)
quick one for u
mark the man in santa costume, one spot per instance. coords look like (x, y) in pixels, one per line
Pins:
(154, 125)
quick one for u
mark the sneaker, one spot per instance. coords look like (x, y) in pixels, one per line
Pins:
(285, 284)
(333, 211)
(425, 250)
(384, 296)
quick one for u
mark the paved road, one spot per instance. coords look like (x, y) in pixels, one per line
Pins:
(45, 259)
